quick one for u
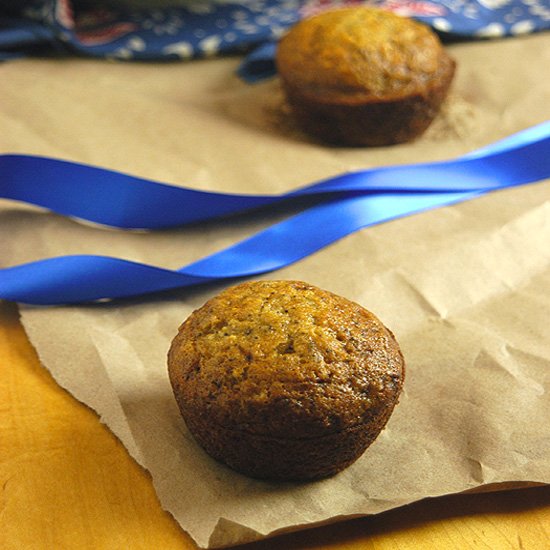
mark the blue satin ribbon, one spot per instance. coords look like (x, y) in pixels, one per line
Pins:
(350, 202)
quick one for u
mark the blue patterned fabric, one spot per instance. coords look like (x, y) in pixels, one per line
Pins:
(210, 27)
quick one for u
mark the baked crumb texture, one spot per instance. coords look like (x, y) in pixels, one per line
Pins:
(363, 76)
(283, 380)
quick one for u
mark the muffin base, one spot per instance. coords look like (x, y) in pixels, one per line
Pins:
(281, 459)
(370, 122)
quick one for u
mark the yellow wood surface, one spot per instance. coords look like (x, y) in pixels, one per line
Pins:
(67, 483)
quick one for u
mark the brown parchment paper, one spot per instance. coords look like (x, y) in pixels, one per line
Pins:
(464, 288)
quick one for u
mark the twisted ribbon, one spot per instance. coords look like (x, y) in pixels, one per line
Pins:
(350, 202)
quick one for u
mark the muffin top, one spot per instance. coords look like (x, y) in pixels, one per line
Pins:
(285, 359)
(360, 52)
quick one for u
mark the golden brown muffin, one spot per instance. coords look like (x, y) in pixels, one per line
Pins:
(363, 76)
(283, 380)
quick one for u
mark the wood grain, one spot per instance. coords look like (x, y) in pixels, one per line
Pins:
(67, 483)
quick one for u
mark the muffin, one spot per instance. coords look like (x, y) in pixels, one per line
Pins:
(282, 380)
(363, 76)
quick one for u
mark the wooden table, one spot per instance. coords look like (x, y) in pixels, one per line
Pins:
(68, 483)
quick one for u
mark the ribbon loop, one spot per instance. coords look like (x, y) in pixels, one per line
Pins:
(350, 201)
(124, 201)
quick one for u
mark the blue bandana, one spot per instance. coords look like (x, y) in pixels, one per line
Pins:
(205, 28)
